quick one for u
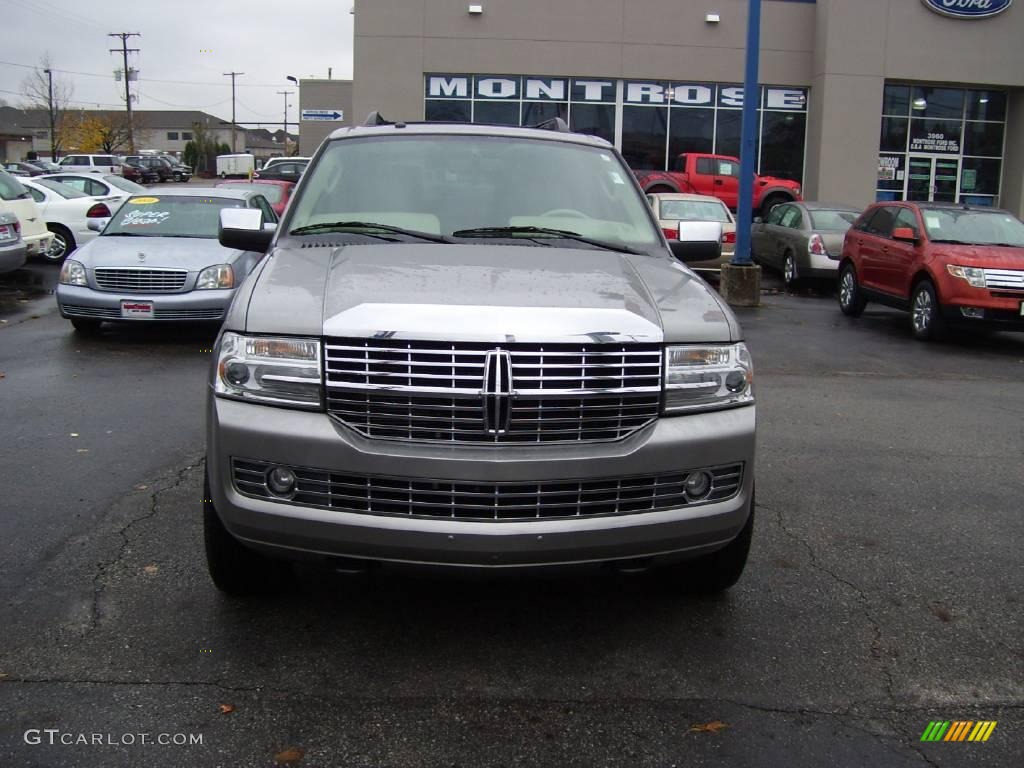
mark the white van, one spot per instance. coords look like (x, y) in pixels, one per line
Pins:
(14, 198)
(235, 165)
(91, 164)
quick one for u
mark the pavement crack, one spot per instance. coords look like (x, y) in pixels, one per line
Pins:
(876, 649)
(99, 581)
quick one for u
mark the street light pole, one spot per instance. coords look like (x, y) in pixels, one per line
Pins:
(53, 119)
(295, 80)
(286, 94)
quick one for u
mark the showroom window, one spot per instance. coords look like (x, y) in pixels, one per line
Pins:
(941, 144)
(659, 119)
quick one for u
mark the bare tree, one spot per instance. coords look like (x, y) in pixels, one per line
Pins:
(48, 92)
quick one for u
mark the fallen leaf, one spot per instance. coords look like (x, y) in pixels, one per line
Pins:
(227, 709)
(73, 434)
(151, 568)
(942, 613)
(290, 755)
(3, 675)
(713, 727)
(3, 375)
(82, 450)
(141, 487)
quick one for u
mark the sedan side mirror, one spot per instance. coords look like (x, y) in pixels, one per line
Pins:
(97, 225)
(698, 241)
(905, 234)
(243, 230)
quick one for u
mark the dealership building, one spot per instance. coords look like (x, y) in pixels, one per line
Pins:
(860, 100)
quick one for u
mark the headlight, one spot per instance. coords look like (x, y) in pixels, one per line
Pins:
(217, 276)
(72, 273)
(972, 275)
(707, 377)
(269, 369)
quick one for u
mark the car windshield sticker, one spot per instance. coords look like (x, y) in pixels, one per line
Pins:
(614, 176)
(933, 222)
(143, 218)
(144, 200)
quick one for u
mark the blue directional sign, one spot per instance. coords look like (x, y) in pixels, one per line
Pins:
(332, 115)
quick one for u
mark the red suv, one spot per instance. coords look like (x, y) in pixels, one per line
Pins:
(946, 264)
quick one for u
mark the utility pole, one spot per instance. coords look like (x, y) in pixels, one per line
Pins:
(286, 94)
(53, 119)
(232, 75)
(124, 50)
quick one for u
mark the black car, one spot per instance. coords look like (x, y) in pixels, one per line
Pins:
(23, 169)
(162, 167)
(283, 171)
(140, 174)
(180, 171)
(45, 166)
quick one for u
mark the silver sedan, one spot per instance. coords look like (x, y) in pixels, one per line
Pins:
(802, 240)
(158, 259)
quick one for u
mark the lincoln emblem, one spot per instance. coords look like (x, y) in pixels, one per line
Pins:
(497, 391)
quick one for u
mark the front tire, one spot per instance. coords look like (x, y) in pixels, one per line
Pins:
(177, 177)
(926, 319)
(851, 299)
(770, 202)
(234, 569)
(63, 244)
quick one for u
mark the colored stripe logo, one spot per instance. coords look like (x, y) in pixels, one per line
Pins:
(958, 730)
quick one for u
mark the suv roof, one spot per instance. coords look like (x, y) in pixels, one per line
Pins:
(466, 129)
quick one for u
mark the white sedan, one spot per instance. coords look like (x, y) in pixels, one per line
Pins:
(99, 185)
(67, 212)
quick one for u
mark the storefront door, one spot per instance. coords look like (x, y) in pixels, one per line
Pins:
(932, 178)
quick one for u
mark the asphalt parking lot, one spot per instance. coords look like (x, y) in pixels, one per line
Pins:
(883, 592)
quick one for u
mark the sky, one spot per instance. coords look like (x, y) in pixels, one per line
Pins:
(185, 46)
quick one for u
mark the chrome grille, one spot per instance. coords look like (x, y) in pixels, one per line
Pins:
(1012, 279)
(459, 500)
(146, 280)
(188, 314)
(107, 312)
(432, 391)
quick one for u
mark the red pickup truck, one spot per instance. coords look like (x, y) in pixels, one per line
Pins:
(718, 176)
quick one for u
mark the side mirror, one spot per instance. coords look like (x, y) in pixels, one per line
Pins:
(905, 234)
(698, 241)
(97, 225)
(243, 230)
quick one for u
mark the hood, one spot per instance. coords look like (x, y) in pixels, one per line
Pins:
(191, 253)
(994, 257)
(484, 292)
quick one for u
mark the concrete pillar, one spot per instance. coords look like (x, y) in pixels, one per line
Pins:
(1012, 196)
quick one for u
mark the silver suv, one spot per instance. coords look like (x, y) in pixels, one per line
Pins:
(471, 346)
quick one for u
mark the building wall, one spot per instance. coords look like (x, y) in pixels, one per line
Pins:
(333, 95)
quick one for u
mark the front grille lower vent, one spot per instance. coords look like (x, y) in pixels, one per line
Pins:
(141, 280)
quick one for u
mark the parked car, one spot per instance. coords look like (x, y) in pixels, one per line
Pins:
(802, 240)
(12, 247)
(671, 207)
(107, 164)
(66, 212)
(179, 171)
(275, 160)
(502, 364)
(949, 265)
(15, 199)
(104, 188)
(277, 192)
(45, 165)
(140, 174)
(23, 169)
(285, 170)
(158, 259)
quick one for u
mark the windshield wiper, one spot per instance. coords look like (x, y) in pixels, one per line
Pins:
(540, 232)
(125, 234)
(345, 226)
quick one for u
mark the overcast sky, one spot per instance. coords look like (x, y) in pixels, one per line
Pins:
(265, 40)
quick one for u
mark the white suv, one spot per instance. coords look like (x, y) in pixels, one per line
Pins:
(91, 164)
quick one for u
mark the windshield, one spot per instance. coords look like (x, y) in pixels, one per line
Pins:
(11, 188)
(170, 216)
(124, 184)
(838, 221)
(973, 227)
(61, 189)
(441, 184)
(270, 191)
(694, 210)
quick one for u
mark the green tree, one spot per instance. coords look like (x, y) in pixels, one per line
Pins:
(191, 155)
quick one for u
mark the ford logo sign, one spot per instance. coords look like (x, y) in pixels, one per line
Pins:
(968, 9)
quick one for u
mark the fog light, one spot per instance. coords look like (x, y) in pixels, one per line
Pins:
(698, 484)
(976, 313)
(736, 382)
(281, 481)
(236, 373)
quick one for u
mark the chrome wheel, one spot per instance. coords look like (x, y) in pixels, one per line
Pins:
(789, 269)
(847, 287)
(58, 248)
(923, 310)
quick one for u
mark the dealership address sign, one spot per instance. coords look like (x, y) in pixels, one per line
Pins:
(603, 91)
(968, 9)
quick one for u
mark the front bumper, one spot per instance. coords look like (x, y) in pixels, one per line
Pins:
(299, 438)
(81, 301)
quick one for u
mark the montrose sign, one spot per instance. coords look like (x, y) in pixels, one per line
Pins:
(968, 9)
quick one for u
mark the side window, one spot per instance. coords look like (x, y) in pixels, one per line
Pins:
(791, 219)
(36, 194)
(776, 214)
(728, 168)
(679, 164)
(95, 188)
(706, 166)
(78, 184)
(882, 221)
(259, 201)
(906, 218)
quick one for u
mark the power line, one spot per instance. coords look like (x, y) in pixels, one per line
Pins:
(70, 101)
(147, 79)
